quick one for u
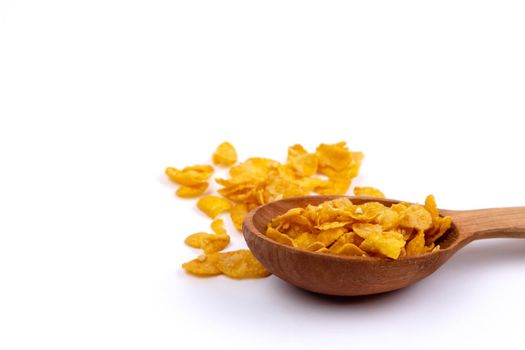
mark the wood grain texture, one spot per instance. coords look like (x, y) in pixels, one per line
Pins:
(350, 275)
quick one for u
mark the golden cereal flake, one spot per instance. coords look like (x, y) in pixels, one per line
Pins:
(237, 213)
(191, 191)
(416, 216)
(304, 240)
(315, 246)
(388, 244)
(344, 239)
(350, 249)
(335, 156)
(368, 191)
(190, 176)
(204, 265)
(416, 246)
(208, 242)
(213, 205)
(363, 230)
(301, 162)
(217, 226)
(328, 237)
(279, 237)
(225, 154)
(241, 264)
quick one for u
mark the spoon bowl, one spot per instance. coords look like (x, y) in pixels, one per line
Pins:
(352, 275)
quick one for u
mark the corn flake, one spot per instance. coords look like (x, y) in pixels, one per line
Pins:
(190, 176)
(416, 245)
(363, 230)
(204, 265)
(334, 157)
(208, 242)
(350, 249)
(225, 154)
(305, 240)
(237, 213)
(240, 264)
(217, 226)
(213, 205)
(416, 216)
(388, 244)
(301, 162)
(191, 191)
(345, 238)
(279, 237)
(368, 191)
(315, 246)
(328, 237)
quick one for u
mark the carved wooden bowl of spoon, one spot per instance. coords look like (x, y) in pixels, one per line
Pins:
(352, 275)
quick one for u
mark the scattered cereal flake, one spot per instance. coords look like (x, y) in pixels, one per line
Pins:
(191, 191)
(241, 264)
(204, 265)
(225, 154)
(213, 205)
(208, 242)
(337, 184)
(217, 226)
(301, 162)
(368, 191)
(190, 176)
(237, 213)
(334, 157)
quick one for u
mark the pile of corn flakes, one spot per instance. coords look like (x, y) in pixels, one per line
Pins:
(256, 181)
(370, 229)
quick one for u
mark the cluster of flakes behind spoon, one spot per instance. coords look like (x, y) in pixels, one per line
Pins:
(253, 182)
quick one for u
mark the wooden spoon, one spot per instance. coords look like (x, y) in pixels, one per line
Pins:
(349, 275)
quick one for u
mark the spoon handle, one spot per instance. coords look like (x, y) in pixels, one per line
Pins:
(489, 223)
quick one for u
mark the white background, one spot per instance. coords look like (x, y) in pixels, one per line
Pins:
(97, 97)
